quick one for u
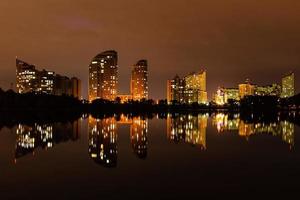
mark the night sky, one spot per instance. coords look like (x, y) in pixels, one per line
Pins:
(231, 39)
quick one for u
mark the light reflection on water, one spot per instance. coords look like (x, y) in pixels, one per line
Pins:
(158, 156)
(180, 128)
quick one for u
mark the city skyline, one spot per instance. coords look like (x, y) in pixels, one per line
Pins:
(227, 38)
(103, 83)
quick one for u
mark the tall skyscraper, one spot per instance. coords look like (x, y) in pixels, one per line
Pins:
(103, 76)
(139, 81)
(288, 86)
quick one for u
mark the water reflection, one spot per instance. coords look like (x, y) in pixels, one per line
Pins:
(283, 129)
(181, 128)
(103, 138)
(188, 128)
(138, 134)
(31, 137)
(103, 141)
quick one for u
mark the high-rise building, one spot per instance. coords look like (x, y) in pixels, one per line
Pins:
(246, 89)
(288, 86)
(195, 88)
(103, 76)
(175, 90)
(190, 89)
(139, 81)
(196, 81)
(29, 79)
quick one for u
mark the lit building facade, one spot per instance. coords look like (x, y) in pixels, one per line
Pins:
(175, 90)
(246, 89)
(139, 81)
(269, 90)
(125, 97)
(26, 77)
(29, 79)
(218, 97)
(288, 86)
(103, 76)
(223, 95)
(231, 94)
(46, 82)
(195, 88)
(190, 89)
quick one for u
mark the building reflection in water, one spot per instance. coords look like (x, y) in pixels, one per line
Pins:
(103, 141)
(103, 138)
(223, 122)
(283, 129)
(31, 137)
(138, 135)
(190, 129)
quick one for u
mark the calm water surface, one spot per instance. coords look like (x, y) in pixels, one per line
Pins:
(179, 157)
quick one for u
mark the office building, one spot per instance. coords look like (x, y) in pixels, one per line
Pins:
(190, 89)
(231, 94)
(195, 88)
(26, 77)
(29, 79)
(175, 90)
